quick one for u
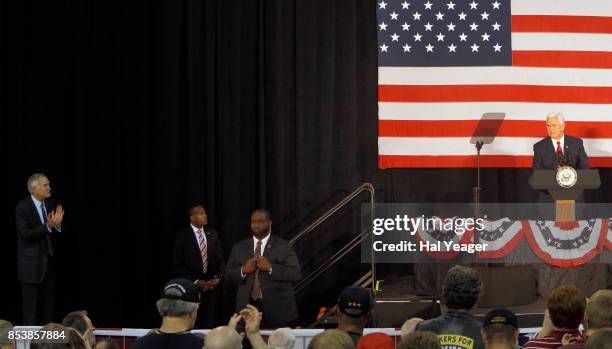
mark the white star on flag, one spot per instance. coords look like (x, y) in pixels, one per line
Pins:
(440, 37)
(462, 16)
(428, 26)
(417, 16)
(405, 26)
(439, 16)
(394, 37)
(452, 48)
(417, 37)
(473, 26)
(485, 37)
(475, 47)
(429, 47)
(485, 16)
(383, 48)
(383, 26)
(405, 5)
(451, 27)
(473, 5)
(394, 15)
(463, 37)
(383, 5)
(497, 47)
(496, 26)
(451, 5)
(406, 48)
(428, 5)
(496, 5)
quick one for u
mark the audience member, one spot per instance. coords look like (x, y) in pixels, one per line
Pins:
(420, 340)
(376, 341)
(458, 328)
(226, 337)
(500, 329)
(601, 339)
(598, 315)
(564, 311)
(281, 338)
(353, 311)
(107, 344)
(5, 328)
(178, 307)
(409, 326)
(331, 339)
(75, 341)
(80, 321)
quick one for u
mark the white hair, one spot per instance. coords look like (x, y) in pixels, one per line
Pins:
(281, 338)
(175, 307)
(33, 181)
(556, 115)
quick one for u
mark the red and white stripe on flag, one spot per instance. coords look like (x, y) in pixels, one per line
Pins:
(561, 62)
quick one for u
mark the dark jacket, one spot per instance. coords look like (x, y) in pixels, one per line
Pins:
(187, 258)
(279, 306)
(455, 330)
(33, 242)
(545, 154)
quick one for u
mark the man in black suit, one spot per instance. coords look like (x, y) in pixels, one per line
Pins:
(37, 220)
(265, 267)
(558, 147)
(198, 257)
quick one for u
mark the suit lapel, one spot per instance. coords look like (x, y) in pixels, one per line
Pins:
(35, 215)
(269, 245)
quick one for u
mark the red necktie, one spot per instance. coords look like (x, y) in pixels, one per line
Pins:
(559, 150)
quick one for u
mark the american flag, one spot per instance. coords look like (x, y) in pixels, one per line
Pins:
(443, 64)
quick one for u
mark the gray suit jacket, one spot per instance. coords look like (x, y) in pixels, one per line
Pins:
(279, 306)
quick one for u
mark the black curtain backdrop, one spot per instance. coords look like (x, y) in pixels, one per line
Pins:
(136, 109)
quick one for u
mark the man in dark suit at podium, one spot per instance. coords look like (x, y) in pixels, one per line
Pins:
(198, 257)
(37, 221)
(548, 152)
(558, 149)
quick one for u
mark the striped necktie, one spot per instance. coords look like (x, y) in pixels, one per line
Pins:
(203, 250)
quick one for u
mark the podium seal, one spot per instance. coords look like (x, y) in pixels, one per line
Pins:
(566, 176)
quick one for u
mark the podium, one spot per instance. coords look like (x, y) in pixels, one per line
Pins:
(565, 198)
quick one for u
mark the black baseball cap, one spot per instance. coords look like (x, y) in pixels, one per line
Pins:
(354, 301)
(182, 290)
(500, 316)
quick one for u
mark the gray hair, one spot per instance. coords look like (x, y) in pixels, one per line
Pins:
(175, 307)
(33, 181)
(281, 338)
(557, 115)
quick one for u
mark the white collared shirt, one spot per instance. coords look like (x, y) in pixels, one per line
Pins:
(39, 209)
(562, 140)
(197, 235)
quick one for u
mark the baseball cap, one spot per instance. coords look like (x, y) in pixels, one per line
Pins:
(354, 301)
(181, 289)
(501, 316)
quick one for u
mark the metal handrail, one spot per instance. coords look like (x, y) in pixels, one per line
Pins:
(323, 267)
(364, 187)
(348, 247)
